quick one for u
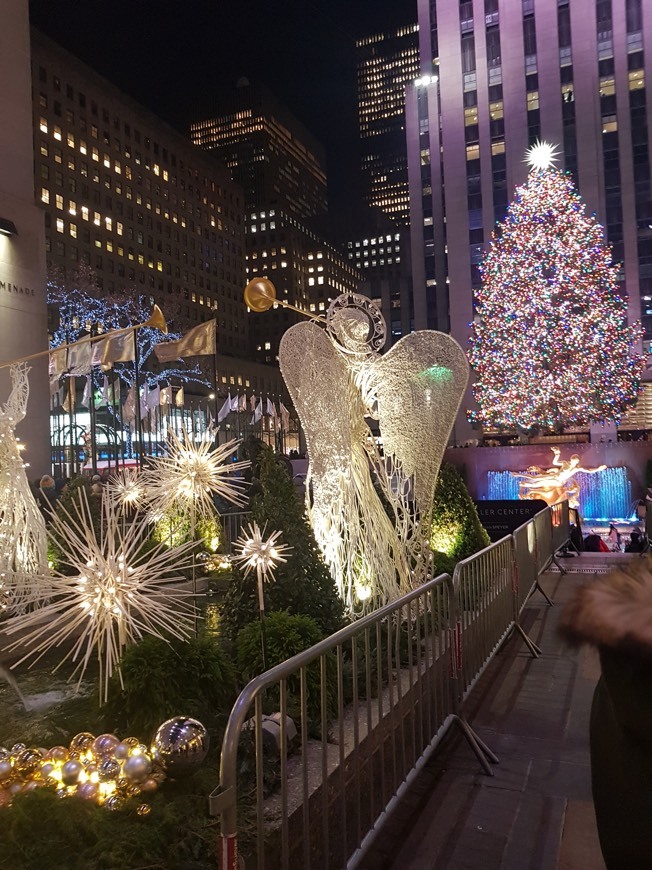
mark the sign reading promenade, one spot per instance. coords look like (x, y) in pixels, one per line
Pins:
(501, 518)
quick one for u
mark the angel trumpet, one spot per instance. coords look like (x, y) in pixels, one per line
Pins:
(156, 320)
(260, 295)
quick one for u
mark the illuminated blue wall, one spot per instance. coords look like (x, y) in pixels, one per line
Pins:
(604, 495)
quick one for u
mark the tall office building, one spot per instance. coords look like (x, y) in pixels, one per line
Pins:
(496, 75)
(133, 199)
(148, 211)
(271, 155)
(386, 62)
(281, 168)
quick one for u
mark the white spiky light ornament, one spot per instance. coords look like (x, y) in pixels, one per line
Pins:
(191, 473)
(125, 487)
(119, 592)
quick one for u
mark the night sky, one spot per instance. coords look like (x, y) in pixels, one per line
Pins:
(173, 57)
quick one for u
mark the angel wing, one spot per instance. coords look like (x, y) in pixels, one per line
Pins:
(317, 379)
(15, 407)
(419, 385)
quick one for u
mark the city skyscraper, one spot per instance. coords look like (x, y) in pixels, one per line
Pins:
(281, 168)
(496, 77)
(271, 155)
(386, 63)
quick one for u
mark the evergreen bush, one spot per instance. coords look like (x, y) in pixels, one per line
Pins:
(286, 635)
(181, 678)
(303, 584)
(456, 531)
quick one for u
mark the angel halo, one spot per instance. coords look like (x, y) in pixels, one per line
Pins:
(369, 506)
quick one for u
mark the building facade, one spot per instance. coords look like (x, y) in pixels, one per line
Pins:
(129, 196)
(496, 75)
(271, 155)
(23, 310)
(282, 170)
(386, 63)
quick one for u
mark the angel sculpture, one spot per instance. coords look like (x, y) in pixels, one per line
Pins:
(369, 509)
(553, 485)
(23, 538)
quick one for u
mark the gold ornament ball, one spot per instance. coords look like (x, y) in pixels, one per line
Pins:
(105, 744)
(149, 785)
(143, 810)
(131, 741)
(17, 748)
(28, 761)
(71, 771)
(62, 793)
(108, 769)
(82, 742)
(6, 769)
(180, 745)
(114, 802)
(134, 790)
(15, 788)
(57, 753)
(51, 782)
(47, 769)
(260, 294)
(4, 753)
(122, 783)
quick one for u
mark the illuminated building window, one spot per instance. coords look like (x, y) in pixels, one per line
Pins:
(59, 225)
(58, 201)
(43, 125)
(45, 195)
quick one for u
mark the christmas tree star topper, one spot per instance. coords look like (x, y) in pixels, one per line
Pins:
(541, 156)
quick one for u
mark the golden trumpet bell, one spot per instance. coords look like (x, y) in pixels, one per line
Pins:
(156, 320)
(260, 294)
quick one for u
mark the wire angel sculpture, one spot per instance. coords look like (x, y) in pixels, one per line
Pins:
(376, 547)
(23, 536)
(120, 591)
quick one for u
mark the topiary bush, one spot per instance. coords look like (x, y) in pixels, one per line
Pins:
(184, 677)
(456, 531)
(286, 634)
(303, 584)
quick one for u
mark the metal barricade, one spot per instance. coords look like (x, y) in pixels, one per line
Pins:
(484, 594)
(560, 522)
(233, 524)
(369, 703)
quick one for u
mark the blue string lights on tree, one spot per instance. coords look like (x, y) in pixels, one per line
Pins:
(550, 346)
(81, 308)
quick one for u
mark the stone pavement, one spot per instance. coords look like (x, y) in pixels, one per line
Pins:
(536, 812)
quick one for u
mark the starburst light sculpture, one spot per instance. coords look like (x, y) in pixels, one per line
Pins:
(192, 472)
(119, 593)
(253, 551)
(125, 487)
(23, 537)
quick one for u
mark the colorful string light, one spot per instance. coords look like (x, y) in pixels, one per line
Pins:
(550, 346)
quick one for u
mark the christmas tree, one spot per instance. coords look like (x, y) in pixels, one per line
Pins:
(551, 347)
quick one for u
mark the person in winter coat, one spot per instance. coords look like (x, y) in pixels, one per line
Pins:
(614, 613)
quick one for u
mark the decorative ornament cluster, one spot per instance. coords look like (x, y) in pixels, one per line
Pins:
(106, 770)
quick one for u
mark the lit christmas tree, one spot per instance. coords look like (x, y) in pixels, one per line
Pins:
(551, 347)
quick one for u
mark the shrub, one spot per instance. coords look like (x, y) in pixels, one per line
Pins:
(456, 531)
(303, 584)
(286, 635)
(190, 678)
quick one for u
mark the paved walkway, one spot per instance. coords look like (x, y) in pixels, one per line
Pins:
(536, 813)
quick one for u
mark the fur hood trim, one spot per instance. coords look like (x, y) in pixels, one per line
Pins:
(614, 610)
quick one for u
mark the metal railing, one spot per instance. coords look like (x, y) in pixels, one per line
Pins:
(233, 524)
(369, 705)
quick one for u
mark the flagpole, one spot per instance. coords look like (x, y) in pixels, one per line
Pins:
(215, 374)
(139, 429)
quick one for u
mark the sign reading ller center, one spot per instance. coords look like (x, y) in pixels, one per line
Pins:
(501, 518)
